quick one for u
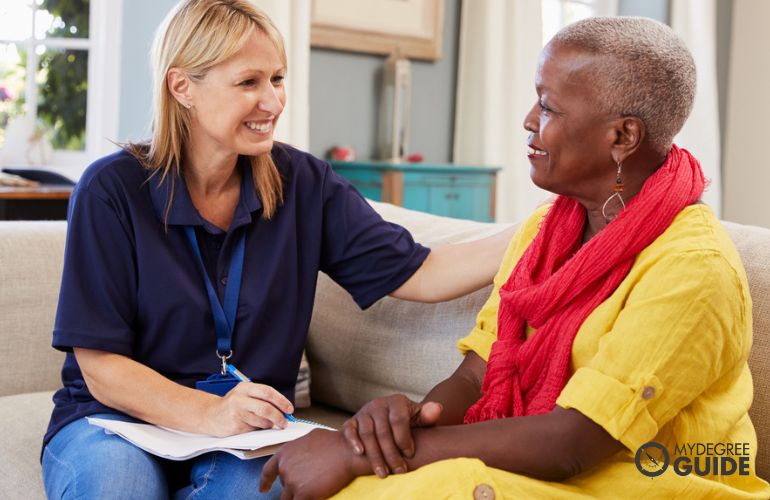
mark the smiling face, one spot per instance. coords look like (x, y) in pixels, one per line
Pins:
(572, 139)
(236, 106)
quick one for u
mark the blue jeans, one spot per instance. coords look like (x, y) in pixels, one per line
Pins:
(82, 461)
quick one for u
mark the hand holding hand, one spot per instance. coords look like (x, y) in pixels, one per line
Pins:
(382, 429)
(246, 407)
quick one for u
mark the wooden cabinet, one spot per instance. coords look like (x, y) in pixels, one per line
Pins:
(45, 202)
(461, 191)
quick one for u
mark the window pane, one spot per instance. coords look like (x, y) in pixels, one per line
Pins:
(62, 91)
(15, 19)
(574, 11)
(559, 13)
(61, 19)
(13, 61)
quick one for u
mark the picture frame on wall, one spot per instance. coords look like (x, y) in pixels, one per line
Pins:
(412, 27)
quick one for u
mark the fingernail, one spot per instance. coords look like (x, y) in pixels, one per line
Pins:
(399, 470)
(357, 450)
(381, 473)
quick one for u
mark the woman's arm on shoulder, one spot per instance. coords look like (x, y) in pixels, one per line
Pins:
(452, 271)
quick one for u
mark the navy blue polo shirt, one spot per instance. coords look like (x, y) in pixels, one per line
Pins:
(132, 287)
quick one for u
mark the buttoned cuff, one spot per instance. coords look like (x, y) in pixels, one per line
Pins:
(621, 409)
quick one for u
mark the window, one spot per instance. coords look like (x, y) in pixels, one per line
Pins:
(58, 68)
(559, 13)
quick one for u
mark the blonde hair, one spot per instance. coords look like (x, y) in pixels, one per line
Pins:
(646, 71)
(195, 36)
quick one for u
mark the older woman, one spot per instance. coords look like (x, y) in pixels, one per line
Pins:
(201, 249)
(621, 315)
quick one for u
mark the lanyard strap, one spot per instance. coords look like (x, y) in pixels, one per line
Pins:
(224, 319)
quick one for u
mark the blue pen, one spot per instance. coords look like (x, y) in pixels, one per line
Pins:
(243, 378)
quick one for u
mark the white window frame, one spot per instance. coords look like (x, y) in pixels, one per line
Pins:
(103, 95)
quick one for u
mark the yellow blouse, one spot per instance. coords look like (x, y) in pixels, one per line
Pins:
(663, 359)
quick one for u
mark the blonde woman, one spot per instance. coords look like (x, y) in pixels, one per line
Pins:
(200, 249)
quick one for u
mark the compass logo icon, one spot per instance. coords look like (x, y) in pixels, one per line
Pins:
(652, 459)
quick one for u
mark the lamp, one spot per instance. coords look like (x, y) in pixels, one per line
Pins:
(395, 105)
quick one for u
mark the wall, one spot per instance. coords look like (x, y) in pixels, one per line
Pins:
(140, 19)
(344, 98)
(656, 9)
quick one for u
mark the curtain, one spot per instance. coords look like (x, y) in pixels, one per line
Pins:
(499, 44)
(292, 17)
(746, 167)
(695, 22)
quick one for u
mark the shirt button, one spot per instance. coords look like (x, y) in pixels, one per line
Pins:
(483, 492)
(648, 392)
(224, 281)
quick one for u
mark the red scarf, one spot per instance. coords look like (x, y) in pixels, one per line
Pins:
(554, 291)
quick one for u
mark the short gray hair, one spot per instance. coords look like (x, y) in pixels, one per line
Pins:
(647, 70)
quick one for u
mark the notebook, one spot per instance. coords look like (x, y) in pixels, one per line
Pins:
(177, 445)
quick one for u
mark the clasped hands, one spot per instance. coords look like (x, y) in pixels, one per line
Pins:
(378, 439)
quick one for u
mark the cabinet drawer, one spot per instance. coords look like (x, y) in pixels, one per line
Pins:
(447, 179)
(458, 202)
(368, 183)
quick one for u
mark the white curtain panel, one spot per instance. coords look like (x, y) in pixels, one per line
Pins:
(499, 44)
(747, 167)
(695, 22)
(292, 17)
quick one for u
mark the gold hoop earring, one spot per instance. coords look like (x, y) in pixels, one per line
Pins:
(616, 194)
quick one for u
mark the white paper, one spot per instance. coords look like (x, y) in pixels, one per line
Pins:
(177, 445)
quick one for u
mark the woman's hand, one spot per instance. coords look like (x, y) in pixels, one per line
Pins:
(246, 407)
(128, 386)
(317, 465)
(382, 429)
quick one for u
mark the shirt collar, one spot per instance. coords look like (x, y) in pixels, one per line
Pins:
(182, 211)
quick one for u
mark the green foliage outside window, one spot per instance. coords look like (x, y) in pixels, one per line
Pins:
(63, 87)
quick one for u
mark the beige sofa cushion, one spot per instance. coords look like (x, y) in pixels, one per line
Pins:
(31, 259)
(753, 244)
(395, 346)
(24, 418)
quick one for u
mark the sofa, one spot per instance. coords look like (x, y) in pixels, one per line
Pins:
(354, 355)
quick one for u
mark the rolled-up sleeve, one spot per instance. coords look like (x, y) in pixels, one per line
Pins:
(680, 330)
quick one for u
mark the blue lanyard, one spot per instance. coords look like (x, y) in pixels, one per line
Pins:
(224, 318)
